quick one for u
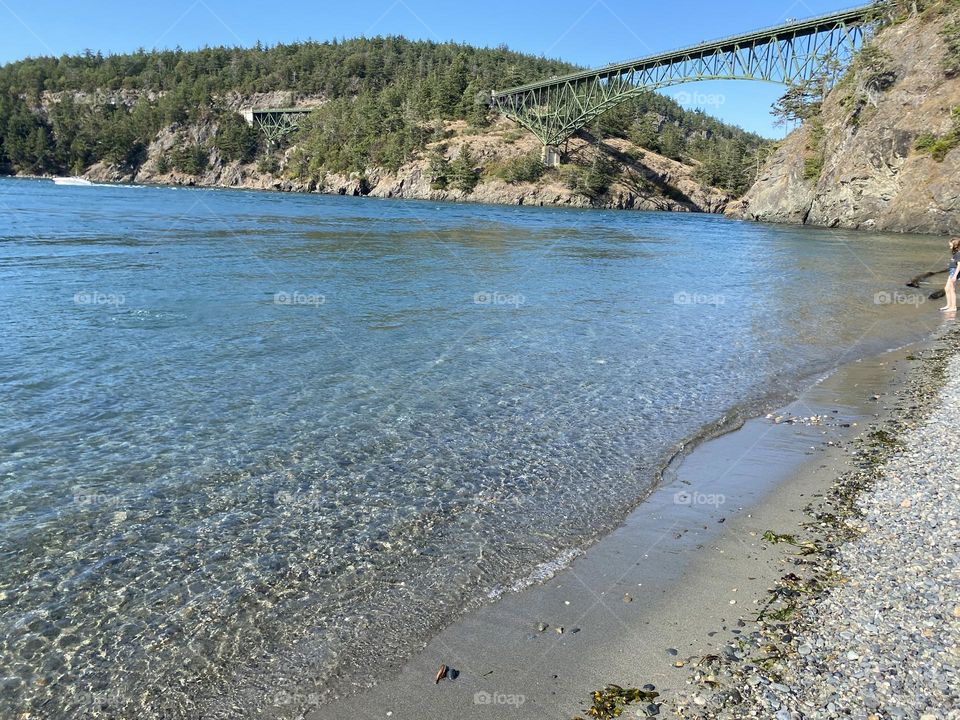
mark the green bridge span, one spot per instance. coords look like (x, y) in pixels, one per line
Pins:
(556, 108)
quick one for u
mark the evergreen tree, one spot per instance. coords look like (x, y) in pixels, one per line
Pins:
(439, 168)
(463, 171)
(235, 139)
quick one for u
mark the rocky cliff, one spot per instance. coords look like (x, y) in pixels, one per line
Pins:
(881, 155)
(642, 180)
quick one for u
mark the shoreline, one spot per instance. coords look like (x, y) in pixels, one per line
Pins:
(865, 623)
(353, 187)
(277, 187)
(631, 607)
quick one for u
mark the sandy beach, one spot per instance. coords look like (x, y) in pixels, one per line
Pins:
(684, 578)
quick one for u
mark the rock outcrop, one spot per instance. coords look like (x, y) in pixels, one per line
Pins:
(643, 180)
(857, 165)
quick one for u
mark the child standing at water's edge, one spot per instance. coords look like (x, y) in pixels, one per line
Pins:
(951, 287)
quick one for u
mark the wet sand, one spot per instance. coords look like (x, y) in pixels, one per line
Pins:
(678, 579)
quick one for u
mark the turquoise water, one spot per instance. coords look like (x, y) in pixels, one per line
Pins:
(257, 445)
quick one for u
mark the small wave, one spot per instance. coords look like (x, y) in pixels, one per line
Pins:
(541, 573)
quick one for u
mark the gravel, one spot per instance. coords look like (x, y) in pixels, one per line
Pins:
(880, 638)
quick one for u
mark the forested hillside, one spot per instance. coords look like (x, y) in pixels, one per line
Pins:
(381, 102)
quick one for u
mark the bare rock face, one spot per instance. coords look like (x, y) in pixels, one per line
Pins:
(872, 176)
(651, 183)
(642, 180)
(780, 194)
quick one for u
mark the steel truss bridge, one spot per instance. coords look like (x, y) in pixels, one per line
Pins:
(275, 123)
(556, 108)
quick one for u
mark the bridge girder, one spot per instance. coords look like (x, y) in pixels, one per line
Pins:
(555, 109)
(276, 123)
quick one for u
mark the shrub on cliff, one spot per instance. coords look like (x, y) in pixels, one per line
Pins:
(191, 159)
(938, 146)
(874, 70)
(951, 37)
(236, 140)
(592, 181)
(526, 168)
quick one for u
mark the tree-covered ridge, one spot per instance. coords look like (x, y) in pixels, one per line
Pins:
(384, 101)
(333, 68)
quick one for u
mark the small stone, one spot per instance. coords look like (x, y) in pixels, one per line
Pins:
(804, 650)
(679, 663)
(905, 504)
(627, 598)
(542, 627)
(559, 631)
(672, 651)
(653, 709)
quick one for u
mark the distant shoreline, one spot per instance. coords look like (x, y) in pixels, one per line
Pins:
(280, 186)
(501, 194)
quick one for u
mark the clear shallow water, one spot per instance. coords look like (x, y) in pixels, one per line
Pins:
(256, 445)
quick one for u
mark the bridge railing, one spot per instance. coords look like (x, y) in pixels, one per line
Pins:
(853, 14)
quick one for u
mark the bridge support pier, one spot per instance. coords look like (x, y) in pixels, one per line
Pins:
(550, 155)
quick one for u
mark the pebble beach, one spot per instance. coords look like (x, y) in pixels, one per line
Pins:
(866, 623)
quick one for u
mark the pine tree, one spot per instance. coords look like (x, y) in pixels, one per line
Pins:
(463, 171)
(439, 168)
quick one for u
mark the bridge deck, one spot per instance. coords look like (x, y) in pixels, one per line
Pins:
(808, 26)
(293, 110)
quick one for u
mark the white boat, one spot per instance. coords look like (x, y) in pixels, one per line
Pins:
(71, 181)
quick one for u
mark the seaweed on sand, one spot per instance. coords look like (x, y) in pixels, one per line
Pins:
(611, 701)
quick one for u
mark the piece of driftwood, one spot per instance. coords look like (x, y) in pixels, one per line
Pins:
(915, 283)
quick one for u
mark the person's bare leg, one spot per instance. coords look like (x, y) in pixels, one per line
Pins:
(950, 289)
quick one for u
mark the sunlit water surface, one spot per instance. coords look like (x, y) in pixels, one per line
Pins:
(253, 443)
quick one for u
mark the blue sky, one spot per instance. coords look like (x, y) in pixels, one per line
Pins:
(587, 32)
